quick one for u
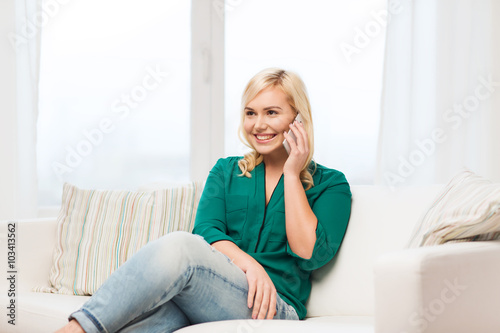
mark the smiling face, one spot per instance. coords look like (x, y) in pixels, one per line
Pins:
(267, 116)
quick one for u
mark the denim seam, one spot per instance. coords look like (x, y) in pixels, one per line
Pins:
(189, 271)
(158, 301)
(220, 276)
(95, 321)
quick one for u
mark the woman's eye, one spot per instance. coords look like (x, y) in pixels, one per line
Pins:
(272, 112)
(250, 113)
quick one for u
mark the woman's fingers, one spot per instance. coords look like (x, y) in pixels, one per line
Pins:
(265, 303)
(301, 137)
(257, 304)
(272, 306)
(251, 293)
(299, 149)
(261, 293)
(264, 307)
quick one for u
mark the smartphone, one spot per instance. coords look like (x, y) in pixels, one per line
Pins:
(285, 144)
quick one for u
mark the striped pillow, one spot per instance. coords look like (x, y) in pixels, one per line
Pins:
(98, 230)
(468, 209)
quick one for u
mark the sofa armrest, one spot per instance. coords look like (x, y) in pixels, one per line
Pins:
(35, 241)
(445, 288)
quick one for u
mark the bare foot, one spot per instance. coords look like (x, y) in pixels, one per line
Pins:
(72, 327)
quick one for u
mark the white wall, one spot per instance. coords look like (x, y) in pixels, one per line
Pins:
(8, 118)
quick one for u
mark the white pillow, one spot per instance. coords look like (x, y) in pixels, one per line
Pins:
(98, 230)
(468, 209)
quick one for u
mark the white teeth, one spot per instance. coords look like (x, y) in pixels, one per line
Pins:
(264, 137)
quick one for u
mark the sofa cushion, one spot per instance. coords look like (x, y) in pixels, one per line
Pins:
(347, 324)
(98, 230)
(41, 312)
(381, 221)
(468, 208)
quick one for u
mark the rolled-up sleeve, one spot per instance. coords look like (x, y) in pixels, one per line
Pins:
(210, 222)
(332, 209)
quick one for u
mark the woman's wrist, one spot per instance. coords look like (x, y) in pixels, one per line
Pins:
(291, 175)
(244, 263)
(239, 257)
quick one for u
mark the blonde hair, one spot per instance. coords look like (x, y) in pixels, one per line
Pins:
(295, 90)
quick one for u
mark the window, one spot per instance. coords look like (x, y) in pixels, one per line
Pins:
(337, 49)
(126, 86)
(114, 95)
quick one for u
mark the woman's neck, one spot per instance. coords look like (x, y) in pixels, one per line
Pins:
(275, 162)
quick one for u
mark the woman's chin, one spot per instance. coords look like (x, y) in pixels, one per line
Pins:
(270, 150)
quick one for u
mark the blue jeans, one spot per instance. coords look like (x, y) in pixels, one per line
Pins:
(175, 281)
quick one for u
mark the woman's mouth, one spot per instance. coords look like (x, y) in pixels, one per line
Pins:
(263, 138)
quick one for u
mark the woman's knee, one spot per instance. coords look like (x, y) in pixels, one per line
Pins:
(178, 245)
(180, 240)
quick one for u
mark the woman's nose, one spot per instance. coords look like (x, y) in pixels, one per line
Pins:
(260, 123)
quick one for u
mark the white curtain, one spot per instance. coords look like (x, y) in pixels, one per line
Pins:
(441, 92)
(30, 18)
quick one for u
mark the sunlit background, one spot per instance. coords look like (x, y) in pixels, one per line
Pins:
(96, 65)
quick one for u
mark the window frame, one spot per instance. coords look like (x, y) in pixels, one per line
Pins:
(207, 86)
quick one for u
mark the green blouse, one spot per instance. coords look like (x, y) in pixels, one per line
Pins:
(233, 208)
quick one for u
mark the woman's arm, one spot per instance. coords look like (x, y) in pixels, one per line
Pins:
(301, 223)
(261, 290)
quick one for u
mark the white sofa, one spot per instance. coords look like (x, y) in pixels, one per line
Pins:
(374, 284)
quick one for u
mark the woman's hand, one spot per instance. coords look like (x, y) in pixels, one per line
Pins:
(299, 149)
(301, 223)
(261, 292)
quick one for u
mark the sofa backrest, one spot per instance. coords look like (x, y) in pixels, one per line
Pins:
(382, 220)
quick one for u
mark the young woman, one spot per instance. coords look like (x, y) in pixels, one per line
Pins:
(264, 222)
